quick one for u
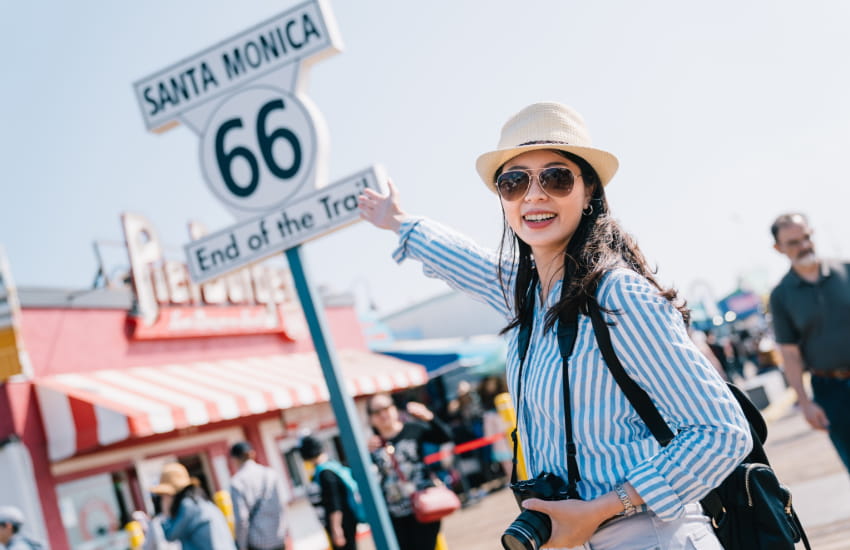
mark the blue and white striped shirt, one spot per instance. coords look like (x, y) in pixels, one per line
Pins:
(613, 443)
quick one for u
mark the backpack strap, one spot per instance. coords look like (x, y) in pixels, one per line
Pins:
(639, 399)
(567, 332)
(523, 340)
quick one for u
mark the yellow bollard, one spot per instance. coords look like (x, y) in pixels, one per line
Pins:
(136, 535)
(441, 542)
(506, 408)
(222, 500)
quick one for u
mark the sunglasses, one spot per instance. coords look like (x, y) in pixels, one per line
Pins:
(556, 181)
(379, 410)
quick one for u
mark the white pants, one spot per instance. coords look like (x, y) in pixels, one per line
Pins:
(645, 531)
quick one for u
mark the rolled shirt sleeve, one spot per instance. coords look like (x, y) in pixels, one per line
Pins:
(712, 434)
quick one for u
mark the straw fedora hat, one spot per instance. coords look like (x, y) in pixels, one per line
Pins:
(173, 479)
(546, 125)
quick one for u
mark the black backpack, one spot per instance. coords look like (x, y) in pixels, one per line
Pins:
(750, 509)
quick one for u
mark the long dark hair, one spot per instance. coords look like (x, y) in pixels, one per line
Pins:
(598, 246)
(190, 491)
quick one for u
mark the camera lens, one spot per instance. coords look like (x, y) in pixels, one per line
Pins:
(529, 531)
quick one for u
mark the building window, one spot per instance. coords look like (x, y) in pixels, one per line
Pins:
(294, 467)
(94, 511)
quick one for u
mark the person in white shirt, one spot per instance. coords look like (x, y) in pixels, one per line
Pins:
(257, 503)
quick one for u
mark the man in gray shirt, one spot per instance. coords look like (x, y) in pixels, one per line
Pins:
(257, 504)
(811, 319)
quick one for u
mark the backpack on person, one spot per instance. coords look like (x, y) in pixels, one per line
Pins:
(355, 502)
(750, 509)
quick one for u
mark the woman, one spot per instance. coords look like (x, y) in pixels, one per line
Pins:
(398, 454)
(560, 243)
(192, 519)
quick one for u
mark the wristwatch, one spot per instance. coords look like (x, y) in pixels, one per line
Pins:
(628, 508)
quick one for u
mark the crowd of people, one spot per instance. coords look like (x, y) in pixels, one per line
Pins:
(186, 518)
(739, 353)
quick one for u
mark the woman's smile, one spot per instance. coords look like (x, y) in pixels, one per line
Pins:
(537, 219)
(544, 222)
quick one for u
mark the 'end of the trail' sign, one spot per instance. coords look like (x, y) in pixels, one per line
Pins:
(328, 209)
(304, 33)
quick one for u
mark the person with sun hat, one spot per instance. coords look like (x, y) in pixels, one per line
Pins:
(562, 257)
(191, 518)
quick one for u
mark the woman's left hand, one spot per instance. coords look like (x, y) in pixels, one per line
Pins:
(420, 411)
(374, 443)
(382, 211)
(573, 521)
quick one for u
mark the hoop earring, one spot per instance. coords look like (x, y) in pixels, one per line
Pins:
(588, 211)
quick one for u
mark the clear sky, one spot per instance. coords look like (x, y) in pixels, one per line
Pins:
(723, 114)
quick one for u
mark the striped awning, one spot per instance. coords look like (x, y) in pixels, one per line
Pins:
(88, 410)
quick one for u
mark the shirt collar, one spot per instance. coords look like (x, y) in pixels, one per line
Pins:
(825, 271)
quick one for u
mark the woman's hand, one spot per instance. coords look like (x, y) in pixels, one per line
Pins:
(374, 443)
(420, 411)
(381, 211)
(573, 521)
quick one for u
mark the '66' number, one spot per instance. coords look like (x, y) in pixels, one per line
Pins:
(266, 140)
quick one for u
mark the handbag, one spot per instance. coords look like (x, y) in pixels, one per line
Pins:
(431, 503)
(434, 503)
(750, 509)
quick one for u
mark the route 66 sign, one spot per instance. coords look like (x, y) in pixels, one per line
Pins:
(258, 149)
(262, 143)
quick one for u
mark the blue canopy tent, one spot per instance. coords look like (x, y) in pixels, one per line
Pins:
(741, 302)
(477, 356)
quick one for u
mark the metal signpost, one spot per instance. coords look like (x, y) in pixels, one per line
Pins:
(262, 153)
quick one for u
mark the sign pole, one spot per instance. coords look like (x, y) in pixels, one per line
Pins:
(343, 407)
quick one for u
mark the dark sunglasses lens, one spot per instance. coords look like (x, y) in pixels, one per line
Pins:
(512, 185)
(557, 181)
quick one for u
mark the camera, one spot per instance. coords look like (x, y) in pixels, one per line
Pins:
(531, 529)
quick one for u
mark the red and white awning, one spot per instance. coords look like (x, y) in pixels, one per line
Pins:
(92, 409)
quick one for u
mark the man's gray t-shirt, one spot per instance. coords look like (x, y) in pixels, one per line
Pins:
(815, 316)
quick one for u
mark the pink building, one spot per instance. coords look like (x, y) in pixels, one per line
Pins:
(113, 382)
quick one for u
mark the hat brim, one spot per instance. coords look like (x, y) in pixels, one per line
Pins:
(603, 162)
(164, 489)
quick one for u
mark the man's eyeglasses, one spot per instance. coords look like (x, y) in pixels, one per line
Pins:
(555, 181)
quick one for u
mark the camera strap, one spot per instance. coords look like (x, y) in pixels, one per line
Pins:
(567, 330)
